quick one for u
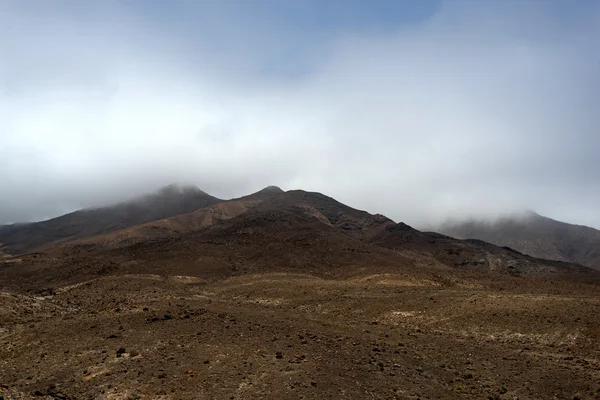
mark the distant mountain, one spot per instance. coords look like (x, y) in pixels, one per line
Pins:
(168, 201)
(534, 235)
(473, 254)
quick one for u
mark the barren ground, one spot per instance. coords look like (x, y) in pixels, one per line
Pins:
(291, 336)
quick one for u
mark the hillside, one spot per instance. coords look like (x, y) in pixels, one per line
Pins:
(271, 230)
(168, 201)
(534, 235)
(476, 254)
(284, 295)
(176, 225)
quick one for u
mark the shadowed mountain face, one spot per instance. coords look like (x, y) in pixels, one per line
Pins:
(168, 201)
(535, 235)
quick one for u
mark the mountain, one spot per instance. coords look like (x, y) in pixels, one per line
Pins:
(293, 294)
(168, 201)
(177, 224)
(473, 254)
(272, 230)
(534, 235)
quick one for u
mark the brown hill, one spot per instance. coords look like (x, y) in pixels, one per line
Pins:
(359, 224)
(168, 201)
(356, 223)
(295, 231)
(536, 236)
(175, 225)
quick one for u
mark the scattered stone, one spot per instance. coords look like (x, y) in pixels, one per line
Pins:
(121, 351)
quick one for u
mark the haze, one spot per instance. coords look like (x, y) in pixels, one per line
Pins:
(417, 110)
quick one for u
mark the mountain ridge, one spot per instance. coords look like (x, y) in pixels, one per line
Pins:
(535, 235)
(167, 201)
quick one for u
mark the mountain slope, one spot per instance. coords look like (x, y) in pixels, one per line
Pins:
(358, 224)
(296, 231)
(178, 224)
(476, 255)
(168, 201)
(536, 236)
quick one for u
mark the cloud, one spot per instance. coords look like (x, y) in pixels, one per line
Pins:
(475, 108)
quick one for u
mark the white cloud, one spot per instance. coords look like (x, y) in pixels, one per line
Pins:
(478, 110)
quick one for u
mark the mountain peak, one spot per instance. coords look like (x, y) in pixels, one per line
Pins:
(179, 188)
(264, 194)
(271, 189)
(531, 214)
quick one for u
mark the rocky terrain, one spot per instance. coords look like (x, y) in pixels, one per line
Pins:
(534, 235)
(293, 295)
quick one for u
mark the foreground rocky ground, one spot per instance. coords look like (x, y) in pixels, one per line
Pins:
(290, 336)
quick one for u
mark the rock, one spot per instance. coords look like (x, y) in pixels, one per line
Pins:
(121, 351)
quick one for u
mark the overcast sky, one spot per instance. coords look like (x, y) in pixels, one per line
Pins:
(419, 110)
